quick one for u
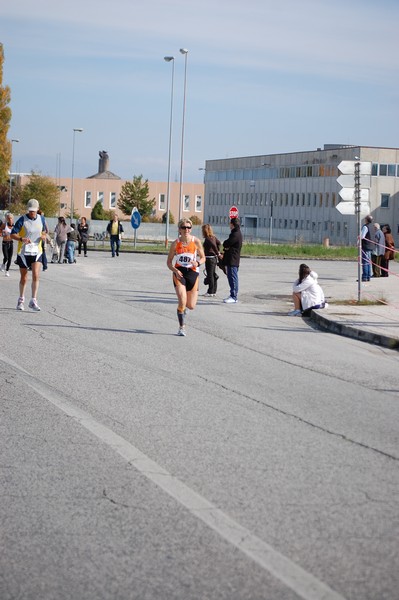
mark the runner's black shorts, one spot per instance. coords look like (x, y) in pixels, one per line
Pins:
(189, 278)
(28, 261)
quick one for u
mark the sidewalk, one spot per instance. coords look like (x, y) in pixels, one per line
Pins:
(376, 324)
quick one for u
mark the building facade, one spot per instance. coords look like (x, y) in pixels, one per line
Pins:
(105, 187)
(293, 197)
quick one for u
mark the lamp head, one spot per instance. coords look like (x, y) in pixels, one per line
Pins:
(14, 140)
(78, 129)
(168, 58)
(183, 51)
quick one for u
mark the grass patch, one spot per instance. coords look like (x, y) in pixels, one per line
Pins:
(265, 250)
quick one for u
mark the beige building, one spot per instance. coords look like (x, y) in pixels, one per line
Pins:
(105, 186)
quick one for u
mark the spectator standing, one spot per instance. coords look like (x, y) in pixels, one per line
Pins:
(61, 235)
(389, 253)
(83, 230)
(379, 250)
(29, 231)
(306, 292)
(231, 259)
(115, 230)
(72, 238)
(212, 247)
(7, 243)
(367, 242)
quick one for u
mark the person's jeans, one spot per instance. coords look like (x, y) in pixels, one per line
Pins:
(115, 245)
(366, 265)
(61, 251)
(232, 278)
(70, 251)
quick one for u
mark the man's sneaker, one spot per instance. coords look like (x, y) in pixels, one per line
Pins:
(7, 274)
(2, 267)
(34, 305)
(20, 305)
(230, 300)
(182, 331)
(294, 313)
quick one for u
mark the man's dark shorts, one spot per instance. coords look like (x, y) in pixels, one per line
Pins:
(29, 260)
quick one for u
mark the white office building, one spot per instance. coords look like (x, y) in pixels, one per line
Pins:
(293, 197)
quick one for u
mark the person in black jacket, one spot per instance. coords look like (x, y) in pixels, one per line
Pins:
(212, 253)
(231, 259)
(83, 230)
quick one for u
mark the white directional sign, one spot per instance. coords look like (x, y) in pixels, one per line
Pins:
(347, 167)
(348, 208)
(348, 194)
(349, 181)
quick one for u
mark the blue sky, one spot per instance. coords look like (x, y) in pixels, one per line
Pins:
(262, 77)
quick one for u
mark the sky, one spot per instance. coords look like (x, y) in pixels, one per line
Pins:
(262, 77)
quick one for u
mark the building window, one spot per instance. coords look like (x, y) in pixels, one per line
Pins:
(87, 199)
(384, 200)
(374, 169)
(391, 170)
(162, 201)
(112, 199)
(100, 197)
(186, 202)
(198, 203)
(383, 170)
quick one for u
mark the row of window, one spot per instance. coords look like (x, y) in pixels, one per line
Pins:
(319, 199)
(332, 227)
(186, 203)
(293, 172)
(161, 201)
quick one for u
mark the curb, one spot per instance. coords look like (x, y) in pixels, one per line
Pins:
(353, 332)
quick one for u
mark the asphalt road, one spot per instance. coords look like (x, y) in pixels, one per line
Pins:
(257, 458)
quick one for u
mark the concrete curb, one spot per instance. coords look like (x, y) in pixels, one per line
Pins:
(353, 332)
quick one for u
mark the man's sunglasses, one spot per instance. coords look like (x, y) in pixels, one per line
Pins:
(186, 227)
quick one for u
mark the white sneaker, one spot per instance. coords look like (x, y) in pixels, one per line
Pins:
(230, 300)
(34, 305)
(294, 313)
(7, 274)
(20, 305)
(182, 331)
(2, 267)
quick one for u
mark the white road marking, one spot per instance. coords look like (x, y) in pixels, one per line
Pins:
(304, 584)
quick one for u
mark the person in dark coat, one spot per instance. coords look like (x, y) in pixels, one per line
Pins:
(231, 259)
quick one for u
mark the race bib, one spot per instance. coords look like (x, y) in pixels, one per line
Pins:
(31, 249)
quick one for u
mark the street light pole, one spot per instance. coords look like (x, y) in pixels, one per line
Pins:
(9, 199)
(271, 218)
(73, 166)
(172, 60)
(183, 51)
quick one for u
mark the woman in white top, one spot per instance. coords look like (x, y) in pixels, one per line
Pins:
(306, 292)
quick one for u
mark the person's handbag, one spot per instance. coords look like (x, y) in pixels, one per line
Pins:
(206, 280)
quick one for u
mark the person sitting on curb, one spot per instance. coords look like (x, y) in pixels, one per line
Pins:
(306, 293)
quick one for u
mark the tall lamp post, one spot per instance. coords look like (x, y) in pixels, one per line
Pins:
(172, 60)
(9, 199)
(73, 166)
(271, 218)
(183, 51)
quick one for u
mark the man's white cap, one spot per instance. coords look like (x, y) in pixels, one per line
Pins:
(33, 204)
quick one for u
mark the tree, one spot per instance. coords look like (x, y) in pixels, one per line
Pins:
(5, 118)
(98, 213)
(171, 218)
(195, 220)
(45, 191)
(136, 194)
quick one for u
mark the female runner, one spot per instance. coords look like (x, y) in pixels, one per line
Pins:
(189, 255)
